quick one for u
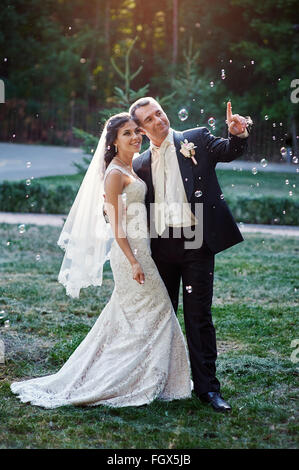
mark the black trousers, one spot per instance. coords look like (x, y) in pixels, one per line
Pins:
(196, 269)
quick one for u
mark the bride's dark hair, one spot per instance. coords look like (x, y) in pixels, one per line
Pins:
(113, 125)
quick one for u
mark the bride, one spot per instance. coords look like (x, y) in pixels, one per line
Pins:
(135, 352)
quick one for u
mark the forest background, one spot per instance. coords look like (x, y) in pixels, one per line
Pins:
(70, 64)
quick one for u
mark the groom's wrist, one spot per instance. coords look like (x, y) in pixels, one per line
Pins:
(243, 135)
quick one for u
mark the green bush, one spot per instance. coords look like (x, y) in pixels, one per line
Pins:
(264, 210)
(16, 196)
(58, 199)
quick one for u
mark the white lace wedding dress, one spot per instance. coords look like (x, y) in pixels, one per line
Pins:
(135, 352)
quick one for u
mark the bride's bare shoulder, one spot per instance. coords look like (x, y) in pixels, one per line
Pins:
(114, 178)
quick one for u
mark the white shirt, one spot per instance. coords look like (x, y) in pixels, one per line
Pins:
(177, 208)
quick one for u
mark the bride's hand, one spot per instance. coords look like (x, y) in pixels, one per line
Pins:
(138, 273)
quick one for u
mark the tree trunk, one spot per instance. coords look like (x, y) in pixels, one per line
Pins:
(93, 49)
(175, 32)
(107, 27)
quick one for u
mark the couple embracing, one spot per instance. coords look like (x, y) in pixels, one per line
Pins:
(136, 352)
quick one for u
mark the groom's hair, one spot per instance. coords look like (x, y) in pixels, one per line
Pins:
(138, 104)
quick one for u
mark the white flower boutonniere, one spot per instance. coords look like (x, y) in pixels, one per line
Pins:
(187, 149)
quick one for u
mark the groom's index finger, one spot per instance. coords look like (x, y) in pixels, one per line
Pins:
(229, 113)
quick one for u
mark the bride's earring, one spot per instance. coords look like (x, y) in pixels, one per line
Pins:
(116, 150)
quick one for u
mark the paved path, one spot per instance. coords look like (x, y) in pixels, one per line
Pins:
(57, 220)
(49, 160)
(46, 160)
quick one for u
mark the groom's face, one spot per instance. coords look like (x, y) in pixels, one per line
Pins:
(153, 122)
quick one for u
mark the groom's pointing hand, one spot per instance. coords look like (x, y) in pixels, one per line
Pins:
(236, 123)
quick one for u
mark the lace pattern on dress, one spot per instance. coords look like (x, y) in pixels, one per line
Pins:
(135, 352)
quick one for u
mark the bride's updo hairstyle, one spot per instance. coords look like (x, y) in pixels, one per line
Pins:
(113, 125)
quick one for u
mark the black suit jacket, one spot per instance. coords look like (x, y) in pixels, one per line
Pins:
(220, 230)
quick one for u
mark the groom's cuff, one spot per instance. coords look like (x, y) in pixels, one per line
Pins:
(244, 134)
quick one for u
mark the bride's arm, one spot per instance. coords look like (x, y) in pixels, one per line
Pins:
(114, 184)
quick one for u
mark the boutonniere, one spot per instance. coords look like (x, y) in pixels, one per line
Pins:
(187, 149)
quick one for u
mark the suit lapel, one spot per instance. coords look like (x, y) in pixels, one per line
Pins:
(146, 173)
(185, 165)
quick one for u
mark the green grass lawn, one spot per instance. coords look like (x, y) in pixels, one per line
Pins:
(233, 182)
(255, 314)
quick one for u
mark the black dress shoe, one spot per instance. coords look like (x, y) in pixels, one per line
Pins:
(216, 400)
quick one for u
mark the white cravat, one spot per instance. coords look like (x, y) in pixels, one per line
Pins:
(159, 156)
(171, 204)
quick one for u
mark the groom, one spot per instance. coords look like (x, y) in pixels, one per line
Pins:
(179, 181)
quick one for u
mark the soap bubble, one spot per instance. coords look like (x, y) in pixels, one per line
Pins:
(264, 162)
(22, 228)
(211, 84)
(189, 289)
(254, 171)
(283, 151)
(28, 182)
(6, 324)
(221, 196)
(28, 164)
(266, 117)
(183, 114)
(211, 121)
(198, 193)
(287, 182)
(290, 193)
(37, 257)
(295, 159)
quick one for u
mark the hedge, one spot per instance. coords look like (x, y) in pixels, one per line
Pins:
(268, 210)
(16, 196)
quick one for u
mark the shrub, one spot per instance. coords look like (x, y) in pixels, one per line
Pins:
(16, 196)
(59, 199)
